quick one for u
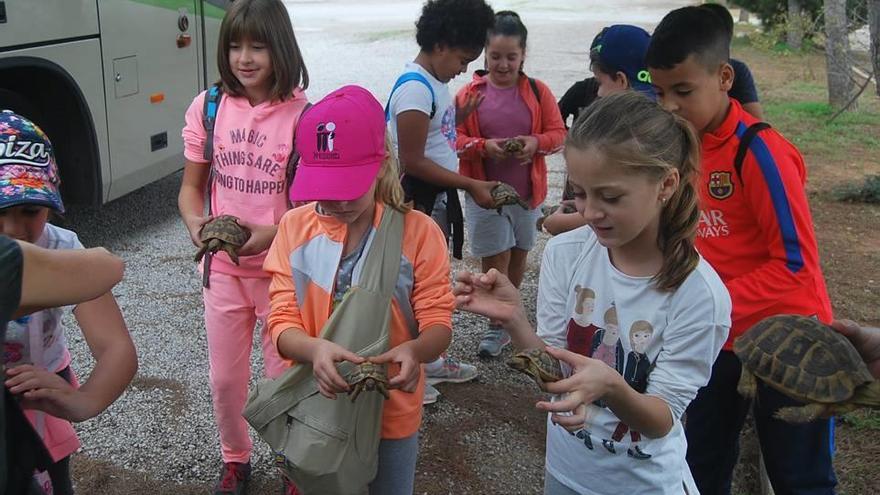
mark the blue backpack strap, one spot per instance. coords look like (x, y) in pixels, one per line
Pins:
(209, 116)
(405, 78)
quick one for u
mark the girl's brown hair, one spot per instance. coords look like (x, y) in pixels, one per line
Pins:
(388, 188)
(262, 21)
(634, 132)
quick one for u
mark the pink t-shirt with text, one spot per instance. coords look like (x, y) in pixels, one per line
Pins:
(251, 148)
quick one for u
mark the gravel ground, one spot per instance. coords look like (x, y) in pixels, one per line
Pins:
(163, 425)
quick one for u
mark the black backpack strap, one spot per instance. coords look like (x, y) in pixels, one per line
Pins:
(535, 90)
(744, 142)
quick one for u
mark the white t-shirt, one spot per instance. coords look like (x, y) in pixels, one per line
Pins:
(38, 338)
(665, 346)
(413, 95)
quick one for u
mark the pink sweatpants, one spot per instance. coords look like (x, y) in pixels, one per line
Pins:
(232, 307)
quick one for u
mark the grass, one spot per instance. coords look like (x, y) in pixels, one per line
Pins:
(863, 420)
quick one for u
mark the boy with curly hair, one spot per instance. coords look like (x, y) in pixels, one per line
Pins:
(422, 114)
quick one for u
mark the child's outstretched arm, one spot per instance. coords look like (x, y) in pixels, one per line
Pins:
(115, 365)
(412, 134)
(53, 278)
(494, 296)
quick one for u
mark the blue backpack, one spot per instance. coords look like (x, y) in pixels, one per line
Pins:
(405, 78)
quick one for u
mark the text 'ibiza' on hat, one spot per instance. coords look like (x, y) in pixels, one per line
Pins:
(341, 142)
(28, 173)
(622, 47)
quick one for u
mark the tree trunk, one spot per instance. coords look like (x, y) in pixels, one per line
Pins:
(795, 25)
(743, 15)
(874, 22)
(840, 82)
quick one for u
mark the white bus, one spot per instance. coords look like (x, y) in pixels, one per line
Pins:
(109, 82)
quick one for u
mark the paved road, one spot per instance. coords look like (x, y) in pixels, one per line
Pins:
(163, 425)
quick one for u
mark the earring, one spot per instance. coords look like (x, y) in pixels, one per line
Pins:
(663, 200)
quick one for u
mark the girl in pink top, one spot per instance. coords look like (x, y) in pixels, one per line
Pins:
(262, 78)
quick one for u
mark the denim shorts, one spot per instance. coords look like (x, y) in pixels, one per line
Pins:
(492, 233)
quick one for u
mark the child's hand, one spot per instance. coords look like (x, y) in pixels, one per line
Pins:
(194, 226)
(260, 240)
(591, 380)
(481, 193)
(407, 379)
(326, 355)
(489, 294)
(494, 150)
(471, 103)
(530, 147)
(45, 391)
(866, 340)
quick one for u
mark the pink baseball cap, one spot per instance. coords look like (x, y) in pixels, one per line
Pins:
(341, 142)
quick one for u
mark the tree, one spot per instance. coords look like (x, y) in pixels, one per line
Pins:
(840, 81)
(795, 25)
(874, 23)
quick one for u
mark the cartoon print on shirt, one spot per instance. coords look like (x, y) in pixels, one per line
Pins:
(636, 375)
(579, 335)
(447, 126)
(606, 346)
(584, 433)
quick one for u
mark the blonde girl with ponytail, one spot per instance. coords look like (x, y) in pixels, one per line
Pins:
(633, 167)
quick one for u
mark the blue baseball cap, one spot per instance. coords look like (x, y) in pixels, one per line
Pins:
(28, 172)
(622, 48)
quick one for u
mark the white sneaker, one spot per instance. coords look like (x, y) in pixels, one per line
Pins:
(431, 395)
(452, 371)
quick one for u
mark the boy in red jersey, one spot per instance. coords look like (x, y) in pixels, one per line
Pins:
(756, 230)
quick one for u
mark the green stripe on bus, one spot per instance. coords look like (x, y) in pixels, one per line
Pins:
(210, 10)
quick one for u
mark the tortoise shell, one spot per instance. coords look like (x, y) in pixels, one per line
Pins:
(504, 194)
(538, 364)
(223, 233)
(512, 146)
(802, 358)
(367, 370)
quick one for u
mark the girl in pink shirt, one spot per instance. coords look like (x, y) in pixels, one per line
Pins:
(262, 78)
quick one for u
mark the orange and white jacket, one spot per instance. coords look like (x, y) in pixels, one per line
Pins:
(303, 262)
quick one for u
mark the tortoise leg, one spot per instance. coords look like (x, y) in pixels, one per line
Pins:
(356, 390)
(802, 414)
(383, 390)
(747, 386)
(201, 253)
(230, 250)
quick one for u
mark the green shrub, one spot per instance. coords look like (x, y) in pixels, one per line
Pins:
(866, 192)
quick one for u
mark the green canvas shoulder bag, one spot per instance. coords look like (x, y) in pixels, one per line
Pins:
(331, 446)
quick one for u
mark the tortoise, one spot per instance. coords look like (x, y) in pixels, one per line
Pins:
(223, 233)
(538, 364)
(368, 376)
(504, 194)
(546, 211)
(806, 360)
(512, 146)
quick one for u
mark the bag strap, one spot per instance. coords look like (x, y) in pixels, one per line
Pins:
(744, 142)
(534, 86)
(209, 118)
(405, 78)
(382, 264)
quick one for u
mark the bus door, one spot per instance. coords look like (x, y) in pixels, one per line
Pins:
(151, 52)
